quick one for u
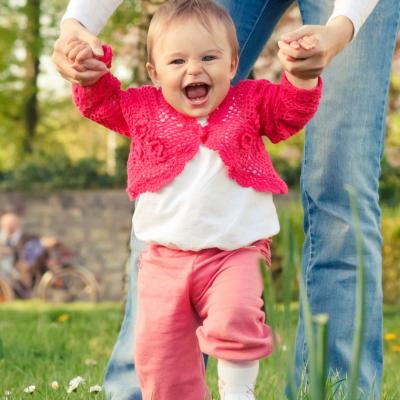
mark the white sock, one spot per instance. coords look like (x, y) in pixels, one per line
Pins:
(237, 377)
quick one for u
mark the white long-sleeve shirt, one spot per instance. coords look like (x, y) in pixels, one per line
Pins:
(93, 14)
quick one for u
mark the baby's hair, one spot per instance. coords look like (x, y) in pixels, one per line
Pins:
(201, 10)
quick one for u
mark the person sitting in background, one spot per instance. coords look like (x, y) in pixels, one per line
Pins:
(10, 233)
(19, 252)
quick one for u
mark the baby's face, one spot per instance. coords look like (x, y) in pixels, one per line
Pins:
(193, 66)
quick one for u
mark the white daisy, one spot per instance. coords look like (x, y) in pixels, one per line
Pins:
(95, 389)
(90, 361)
(74, 383)
(30, 389)
(54, 385)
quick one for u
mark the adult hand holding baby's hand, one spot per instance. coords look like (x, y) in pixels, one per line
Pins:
(71, 54)
(77, 53)
(307, 51)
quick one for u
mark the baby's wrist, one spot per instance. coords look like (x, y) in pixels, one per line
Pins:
(106, 58)
(301, 83)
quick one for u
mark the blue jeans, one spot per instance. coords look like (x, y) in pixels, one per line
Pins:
(343, 145)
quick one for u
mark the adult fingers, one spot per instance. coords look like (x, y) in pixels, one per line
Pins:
(75, 74)
(307, 42)
(94, 43)
(85, 78)
(72, 54)
(296, 52)
(72, 33)
(88, 78)
(305, 30)
(94, 65)
(68, 46)
(72, 29)
(62, 65)
(84, 54)
(88, 62)
(78, 67)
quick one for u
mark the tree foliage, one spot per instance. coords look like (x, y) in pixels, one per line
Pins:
(39, 122)
(36, 114)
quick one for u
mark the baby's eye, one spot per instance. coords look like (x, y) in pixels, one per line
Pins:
(177, 61)
(209, 58)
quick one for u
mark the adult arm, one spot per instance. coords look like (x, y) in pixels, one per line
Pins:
(92, 14)
(356, 10)
(83, 20)
(341, 27)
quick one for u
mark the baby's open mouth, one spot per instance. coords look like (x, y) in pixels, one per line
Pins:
(196, 92)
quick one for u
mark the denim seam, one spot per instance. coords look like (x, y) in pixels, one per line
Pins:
(253, 29)
(382, 113)
(308, 266)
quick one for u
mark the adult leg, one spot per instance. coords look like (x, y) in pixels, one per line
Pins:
(343, 146)
(254, 23)
(121, 381)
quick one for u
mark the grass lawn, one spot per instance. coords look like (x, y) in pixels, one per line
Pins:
(41, 343)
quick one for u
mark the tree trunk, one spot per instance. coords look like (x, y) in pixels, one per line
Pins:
(32, 63)
(147, 9)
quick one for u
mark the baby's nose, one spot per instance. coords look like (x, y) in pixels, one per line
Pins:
(194, 67)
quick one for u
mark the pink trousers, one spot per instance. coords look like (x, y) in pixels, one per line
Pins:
(194, 302)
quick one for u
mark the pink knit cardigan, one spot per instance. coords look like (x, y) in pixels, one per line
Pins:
(164, 140)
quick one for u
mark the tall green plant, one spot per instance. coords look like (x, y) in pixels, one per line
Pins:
(289, 262)
(316, 331)
(358, 338)
(290, 259)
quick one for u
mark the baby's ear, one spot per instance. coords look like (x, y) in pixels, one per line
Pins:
(234, 66)
(151, 70)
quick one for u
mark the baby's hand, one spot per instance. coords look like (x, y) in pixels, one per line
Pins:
(77, 53)
(305, 43)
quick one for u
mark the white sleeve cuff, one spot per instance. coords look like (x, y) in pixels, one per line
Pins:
(93, 14)
(356, 10)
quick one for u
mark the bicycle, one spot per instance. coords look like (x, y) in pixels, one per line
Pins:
(55, 277)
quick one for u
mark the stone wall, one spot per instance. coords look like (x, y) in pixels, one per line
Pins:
(94, 224)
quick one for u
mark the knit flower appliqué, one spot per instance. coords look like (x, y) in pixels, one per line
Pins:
(149, 150)
(247, 141)
(142, 130)
(156, 149)
(146, 146)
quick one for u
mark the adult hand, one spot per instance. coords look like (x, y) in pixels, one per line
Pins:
(328, 40)
(83, 72)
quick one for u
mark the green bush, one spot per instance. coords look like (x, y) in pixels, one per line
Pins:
(291, 221)
(390, 250)
(391, 256)
(289, 172)
(55, 172)
(120, 168)
(389, 190)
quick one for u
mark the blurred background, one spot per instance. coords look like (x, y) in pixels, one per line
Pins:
(65, 176)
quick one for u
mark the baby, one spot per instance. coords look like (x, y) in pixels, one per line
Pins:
(204, 185)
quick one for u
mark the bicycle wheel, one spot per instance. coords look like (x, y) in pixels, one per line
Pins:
(68, 284)
(6, 291)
